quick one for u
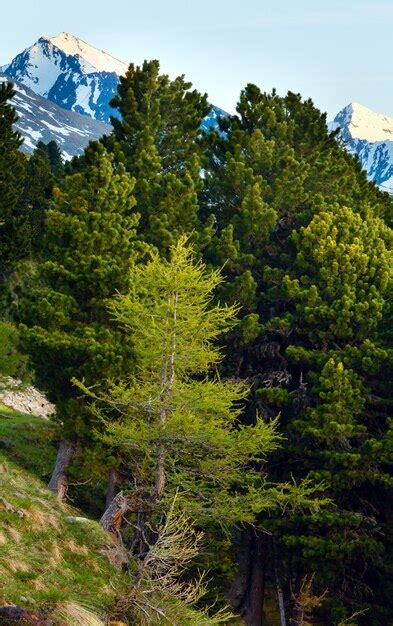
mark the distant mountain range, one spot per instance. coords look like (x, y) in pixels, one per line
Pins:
(64, 87)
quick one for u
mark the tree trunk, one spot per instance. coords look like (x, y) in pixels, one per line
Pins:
(121, 505)
(254, 616)
(167, 381)
(280, 594)
(114, 515)
(160, 473)
(280, 598)
(248, 589)
(58, 482)
(113, 480)
(238, 592)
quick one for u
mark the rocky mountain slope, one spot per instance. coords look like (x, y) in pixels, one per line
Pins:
(42, 120)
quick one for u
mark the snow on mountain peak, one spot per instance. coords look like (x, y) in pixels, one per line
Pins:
(369, 135)
(363, 123)
(98, 60)
(70, 73)
(80, 78)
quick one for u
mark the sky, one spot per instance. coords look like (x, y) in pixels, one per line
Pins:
(334, 51)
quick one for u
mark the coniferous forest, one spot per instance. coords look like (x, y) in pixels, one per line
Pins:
(210, 313)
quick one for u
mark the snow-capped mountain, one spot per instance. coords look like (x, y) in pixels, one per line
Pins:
(75, 76)
(93, 59)
(70, 73)
(79, 78)
(370, 136)
(42, 120)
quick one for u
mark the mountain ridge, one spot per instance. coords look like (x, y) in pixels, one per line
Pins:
(42, 120)
(98, 59)
(364, 123)
(69, 81)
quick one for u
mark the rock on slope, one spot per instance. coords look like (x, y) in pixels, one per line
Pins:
(26, 400)
(40, 119)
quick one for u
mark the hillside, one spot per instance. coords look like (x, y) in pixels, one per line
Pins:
(50, 561)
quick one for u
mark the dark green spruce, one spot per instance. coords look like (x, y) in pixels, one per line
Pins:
(305, 249)
(155, 136)
(88, 250)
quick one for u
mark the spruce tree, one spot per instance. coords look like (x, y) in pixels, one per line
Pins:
(44, 170)
(155, 135)
(88, 249)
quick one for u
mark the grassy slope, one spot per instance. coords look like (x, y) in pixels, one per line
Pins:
(44, 558)
(45, 561)
(27, 440)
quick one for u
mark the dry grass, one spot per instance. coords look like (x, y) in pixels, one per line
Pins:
(78, 615)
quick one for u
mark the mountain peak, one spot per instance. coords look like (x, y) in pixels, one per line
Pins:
(99, 60)
(70, 73)
(364, 123)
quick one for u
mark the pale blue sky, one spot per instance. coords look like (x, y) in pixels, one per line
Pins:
(335, 51)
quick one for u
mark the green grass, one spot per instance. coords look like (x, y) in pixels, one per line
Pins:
(46, 562)
(30, 442)
(27, 440)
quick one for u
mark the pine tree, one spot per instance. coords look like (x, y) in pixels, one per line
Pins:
(155, 135)
(12, 177)
(12, 362)
(89, 248)
(306, 255)
(380, 409)
(342, 267)
(54, 155)
(44, 170)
